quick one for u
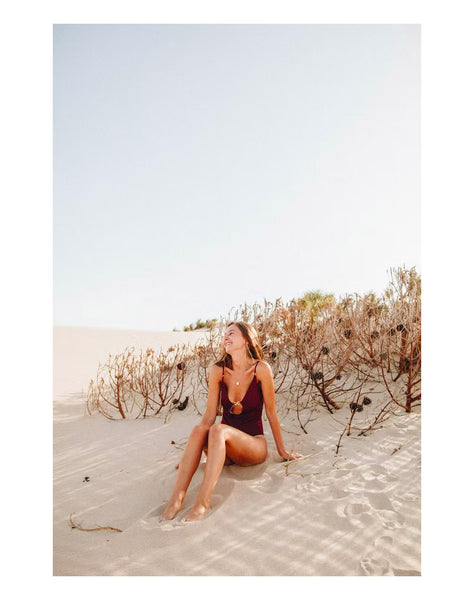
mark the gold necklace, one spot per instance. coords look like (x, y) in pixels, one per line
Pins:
(236, 408)
(238, 382)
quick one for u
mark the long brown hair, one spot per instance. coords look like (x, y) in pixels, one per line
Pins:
(254, 348)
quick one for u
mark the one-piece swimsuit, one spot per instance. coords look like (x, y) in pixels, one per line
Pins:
(250, 419)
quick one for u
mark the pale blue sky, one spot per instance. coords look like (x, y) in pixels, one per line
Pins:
(200, 166)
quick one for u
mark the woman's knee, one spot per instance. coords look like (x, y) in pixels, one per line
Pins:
(200, 431)
(217, 431)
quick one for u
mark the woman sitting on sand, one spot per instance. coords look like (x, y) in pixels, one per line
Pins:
(239, 438)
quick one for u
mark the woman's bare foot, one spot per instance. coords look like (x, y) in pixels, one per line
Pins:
(197, 513)
(173, 508)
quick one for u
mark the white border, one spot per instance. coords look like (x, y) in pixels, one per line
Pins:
(26, 113)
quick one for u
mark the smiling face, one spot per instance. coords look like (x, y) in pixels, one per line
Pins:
(233, 339)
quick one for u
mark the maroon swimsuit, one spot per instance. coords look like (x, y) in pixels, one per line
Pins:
(250, 419)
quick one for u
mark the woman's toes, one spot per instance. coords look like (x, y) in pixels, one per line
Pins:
(171, 510)
(196, 513)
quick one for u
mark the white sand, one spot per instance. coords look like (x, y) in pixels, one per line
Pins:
(357, 513)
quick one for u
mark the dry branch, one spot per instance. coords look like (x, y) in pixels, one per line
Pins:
(76, 526)
(320, 351)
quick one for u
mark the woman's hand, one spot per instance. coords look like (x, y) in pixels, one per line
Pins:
(290, 455)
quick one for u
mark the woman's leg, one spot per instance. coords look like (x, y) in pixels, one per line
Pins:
(187, 467)
(241, 448)
(228, 461)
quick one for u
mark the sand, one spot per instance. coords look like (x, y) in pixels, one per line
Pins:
(354, 513)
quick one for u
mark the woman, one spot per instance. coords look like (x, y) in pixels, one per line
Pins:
(239, 438)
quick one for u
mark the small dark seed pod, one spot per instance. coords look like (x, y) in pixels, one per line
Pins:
(353, 405)
(360, 408)
(366, 401)
(274, 354)
(338, 377)
(183, 405)
(374, 335)
(318, 375)
(347, 333)
(393, 331)
(400, 327)
(181, 366)
(325, 350)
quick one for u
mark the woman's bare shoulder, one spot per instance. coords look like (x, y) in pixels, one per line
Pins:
(215, 371)
(264, 370)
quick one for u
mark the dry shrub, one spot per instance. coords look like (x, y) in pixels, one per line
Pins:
(387, 352)
(401, 342)
(319, 360)
(205, 353)
(131, 385)
(361, 352)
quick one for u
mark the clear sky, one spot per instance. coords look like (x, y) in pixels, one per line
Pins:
(197, 167)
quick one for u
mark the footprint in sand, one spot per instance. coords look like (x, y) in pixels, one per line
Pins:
(374, 472)
(390, 519)
(373, 479)
(383, 559)
(408, 497)
(342, 475)
(376, 566)
(351, 510)
(313, 487)
(374, 562)
(379, 501)
(374, 484)
(337, 493)
(384, 509)
(357, 513)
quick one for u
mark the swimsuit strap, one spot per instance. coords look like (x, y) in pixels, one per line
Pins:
(256, 367)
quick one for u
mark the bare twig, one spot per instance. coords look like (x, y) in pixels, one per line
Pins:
(75, 526)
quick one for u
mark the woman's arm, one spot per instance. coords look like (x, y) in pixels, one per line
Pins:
(266, 379)
(209, 416)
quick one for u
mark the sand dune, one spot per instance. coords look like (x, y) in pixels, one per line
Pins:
(357, 513)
